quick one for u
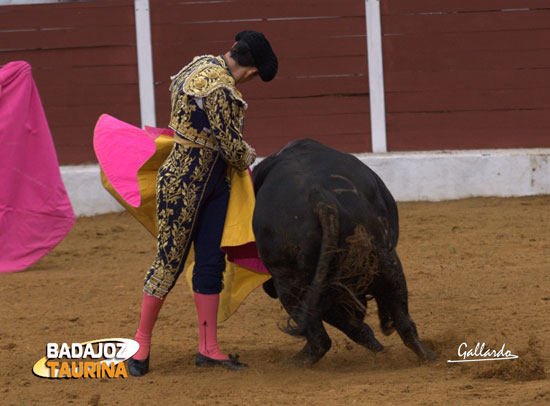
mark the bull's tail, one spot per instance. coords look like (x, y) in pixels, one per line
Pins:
(309, 310)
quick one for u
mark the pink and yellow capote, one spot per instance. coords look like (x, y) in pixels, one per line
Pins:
(130, 158)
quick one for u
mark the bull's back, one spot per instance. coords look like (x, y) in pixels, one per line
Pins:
(290, 183)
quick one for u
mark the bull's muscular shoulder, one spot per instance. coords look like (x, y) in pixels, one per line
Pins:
(204, 75)
(305, 166)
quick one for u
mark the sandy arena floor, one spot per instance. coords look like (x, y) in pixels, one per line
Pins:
(477, 270)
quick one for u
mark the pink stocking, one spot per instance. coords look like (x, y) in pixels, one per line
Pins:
(207, 310)
(150, 309)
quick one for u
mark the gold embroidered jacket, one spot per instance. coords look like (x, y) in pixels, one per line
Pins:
(208, 109)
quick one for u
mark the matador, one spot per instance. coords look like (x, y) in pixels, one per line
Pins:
(192, 189)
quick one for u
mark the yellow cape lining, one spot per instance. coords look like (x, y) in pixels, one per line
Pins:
(238, 281)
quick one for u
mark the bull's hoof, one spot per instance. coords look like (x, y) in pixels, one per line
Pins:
(374, 346)
(302, 359)
(430, 356)
(387, 328)
(306, 357)
(386, 349)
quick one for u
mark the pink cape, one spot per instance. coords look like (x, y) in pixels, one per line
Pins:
(122, 150)
(246, 255)
(35, 211)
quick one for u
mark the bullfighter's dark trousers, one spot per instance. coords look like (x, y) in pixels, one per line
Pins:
(192, 199)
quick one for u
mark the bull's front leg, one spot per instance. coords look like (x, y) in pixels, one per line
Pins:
(350, 322)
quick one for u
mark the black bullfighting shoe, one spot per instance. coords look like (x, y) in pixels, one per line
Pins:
(232, 363)
(137, 367)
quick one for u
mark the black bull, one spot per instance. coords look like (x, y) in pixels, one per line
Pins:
(326, 227)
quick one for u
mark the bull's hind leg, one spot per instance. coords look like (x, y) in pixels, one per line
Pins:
(317, 345)
(390, 291)
(318, 341)
(350, 322)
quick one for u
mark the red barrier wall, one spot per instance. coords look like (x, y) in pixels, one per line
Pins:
(83, 57)
(464, 74)
(321, 90)
(459, 74)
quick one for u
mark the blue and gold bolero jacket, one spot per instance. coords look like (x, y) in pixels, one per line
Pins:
(208, 110)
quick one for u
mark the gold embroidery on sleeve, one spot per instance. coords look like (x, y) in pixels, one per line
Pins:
(225, 115)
